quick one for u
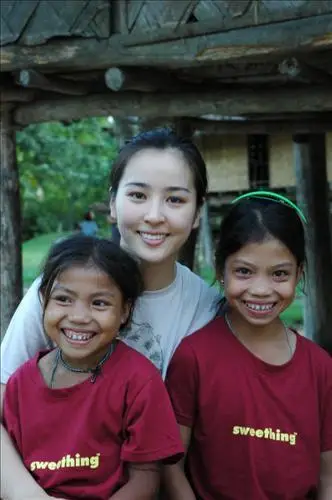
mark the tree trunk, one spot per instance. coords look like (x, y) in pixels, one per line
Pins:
(11, 262)
(312, 193)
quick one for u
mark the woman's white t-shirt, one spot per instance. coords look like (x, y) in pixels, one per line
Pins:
(160, 321)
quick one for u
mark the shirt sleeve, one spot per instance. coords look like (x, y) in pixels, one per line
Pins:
(11, 418)
(152, 433)
(326, 425)
(182, 384)
(25, 334)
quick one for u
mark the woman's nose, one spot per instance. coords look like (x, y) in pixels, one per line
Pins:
(155, 213)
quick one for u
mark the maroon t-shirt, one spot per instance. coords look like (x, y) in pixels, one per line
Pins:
(257, 429)
(76, 441)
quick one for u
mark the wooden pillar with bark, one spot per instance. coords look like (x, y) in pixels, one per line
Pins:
(187, 253)
(312, 194)
(11, 262)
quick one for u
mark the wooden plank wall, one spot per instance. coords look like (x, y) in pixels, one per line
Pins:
(227, 162)
(281, 160)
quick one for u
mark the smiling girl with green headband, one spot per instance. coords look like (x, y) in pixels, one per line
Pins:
(253, 398)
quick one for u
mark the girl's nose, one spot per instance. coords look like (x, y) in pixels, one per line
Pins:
(79, 313)
(261, 287)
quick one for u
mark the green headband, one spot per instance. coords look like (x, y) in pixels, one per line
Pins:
(269, 195)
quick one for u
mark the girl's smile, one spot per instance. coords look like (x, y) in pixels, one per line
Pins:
(84, 314)
(260, 281)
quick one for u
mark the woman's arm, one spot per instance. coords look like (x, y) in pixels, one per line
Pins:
(325, 484)
(174, 481)
(25, 334)
(143, 483)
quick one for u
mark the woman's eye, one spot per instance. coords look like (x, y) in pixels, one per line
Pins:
(136, 195)
(176, 200)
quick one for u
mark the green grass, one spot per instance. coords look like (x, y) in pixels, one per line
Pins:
(34, 253)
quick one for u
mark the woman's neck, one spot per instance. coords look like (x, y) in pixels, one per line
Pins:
(158, 275)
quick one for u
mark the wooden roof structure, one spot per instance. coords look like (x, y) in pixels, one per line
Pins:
(250, 59)
(217, 66)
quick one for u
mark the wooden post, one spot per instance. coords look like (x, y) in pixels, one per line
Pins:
(206, 237)
(11, 263)
(312, 193)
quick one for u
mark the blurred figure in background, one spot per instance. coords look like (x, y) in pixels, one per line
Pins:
(88, 225)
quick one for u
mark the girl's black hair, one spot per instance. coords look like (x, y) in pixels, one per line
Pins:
(106, 256)
(254, 220)
(162, 138)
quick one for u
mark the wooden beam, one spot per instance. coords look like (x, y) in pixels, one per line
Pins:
(297, 70)
(226, 103)
(312, 193)
(30, 78)
(213, 26)
(16, 95)
(10, 261)
(140, 79)
(227, 45)
(205, 127)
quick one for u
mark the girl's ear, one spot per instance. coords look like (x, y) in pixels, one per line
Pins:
(125, 313)
(300, 273)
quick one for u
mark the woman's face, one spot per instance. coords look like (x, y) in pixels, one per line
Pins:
(155, 205)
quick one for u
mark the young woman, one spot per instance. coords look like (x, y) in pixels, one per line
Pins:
(158, 184)
(91, 418)
(254, 398)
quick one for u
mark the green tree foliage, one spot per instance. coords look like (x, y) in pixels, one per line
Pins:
(64, 168)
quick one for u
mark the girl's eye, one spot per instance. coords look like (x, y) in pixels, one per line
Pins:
(137, 195)
(281, 274)
(243, 271)
(100, 303)
(63, 299)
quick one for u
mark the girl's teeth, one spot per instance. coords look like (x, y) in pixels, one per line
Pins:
(259, 307)
(78, 336)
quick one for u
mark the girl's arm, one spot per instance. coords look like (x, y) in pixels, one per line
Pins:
(143, 483)
(16, 481)
(325, 484)
(176, 484)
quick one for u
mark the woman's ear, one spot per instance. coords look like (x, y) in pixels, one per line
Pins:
(198, 215)
(197, 219)
(113, 216)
